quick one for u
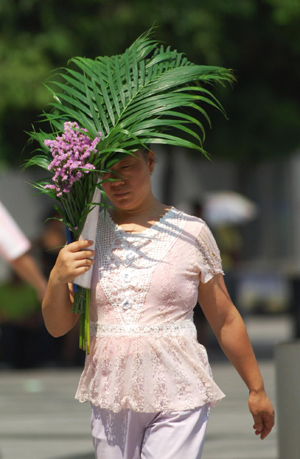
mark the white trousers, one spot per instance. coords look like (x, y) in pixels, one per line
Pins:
(131, 435)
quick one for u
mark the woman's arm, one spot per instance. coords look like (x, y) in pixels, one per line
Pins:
(73, 260)
(26, 268)
(232, 335)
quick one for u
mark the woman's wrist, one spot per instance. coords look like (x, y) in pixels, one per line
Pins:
(55, 279)
(255, 390)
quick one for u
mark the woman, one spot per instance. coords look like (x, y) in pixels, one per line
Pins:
(147, 377)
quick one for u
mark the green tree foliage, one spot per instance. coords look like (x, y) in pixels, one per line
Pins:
(260, 39)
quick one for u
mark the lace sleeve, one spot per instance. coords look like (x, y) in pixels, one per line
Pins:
(208, 255)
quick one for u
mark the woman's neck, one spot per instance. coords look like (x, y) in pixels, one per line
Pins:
(136, 220)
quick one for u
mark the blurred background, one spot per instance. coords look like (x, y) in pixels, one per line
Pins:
(249, 193)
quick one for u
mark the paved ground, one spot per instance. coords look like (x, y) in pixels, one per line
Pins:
(39, 418)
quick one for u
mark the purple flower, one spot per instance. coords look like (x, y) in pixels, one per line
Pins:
(71, 154)
(50, 187)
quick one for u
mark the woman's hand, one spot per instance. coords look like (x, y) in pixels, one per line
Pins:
(262, 411)
(74, 259)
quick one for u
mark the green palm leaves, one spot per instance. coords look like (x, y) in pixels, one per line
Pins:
(148, 95)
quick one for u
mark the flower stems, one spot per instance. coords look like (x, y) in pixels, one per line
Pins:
(81, 306)
(79, 300)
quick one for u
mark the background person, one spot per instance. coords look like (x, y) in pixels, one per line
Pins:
(14, 248)
(20, 316)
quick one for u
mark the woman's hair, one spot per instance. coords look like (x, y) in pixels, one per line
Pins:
(145, 150)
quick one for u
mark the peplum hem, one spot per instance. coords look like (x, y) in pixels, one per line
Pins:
(147, 374)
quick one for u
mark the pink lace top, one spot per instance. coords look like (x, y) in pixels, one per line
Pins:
(144, 351)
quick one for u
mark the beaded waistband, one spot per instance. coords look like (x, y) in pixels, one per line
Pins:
(167, 329)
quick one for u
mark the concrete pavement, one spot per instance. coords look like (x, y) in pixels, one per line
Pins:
(230, 434)
(40, 419)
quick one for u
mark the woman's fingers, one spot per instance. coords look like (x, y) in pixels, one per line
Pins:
(80, 270)
(79, 249)
(74, 259)
(263, 425)
(82, 254)
(83, 263)
(79, 245)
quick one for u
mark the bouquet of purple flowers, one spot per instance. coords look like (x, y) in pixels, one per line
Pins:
(71, 168)
(72, 184)
(71, 153)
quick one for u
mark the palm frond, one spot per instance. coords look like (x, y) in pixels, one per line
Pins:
(148, 94)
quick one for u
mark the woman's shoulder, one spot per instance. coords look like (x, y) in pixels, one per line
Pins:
(192, 221)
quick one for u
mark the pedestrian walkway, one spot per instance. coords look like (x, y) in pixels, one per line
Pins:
(230, 434)
(40, 419)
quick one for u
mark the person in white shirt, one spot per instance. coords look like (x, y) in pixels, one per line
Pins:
(14, 248)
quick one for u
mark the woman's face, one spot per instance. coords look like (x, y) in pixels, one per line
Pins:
(131, 185)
